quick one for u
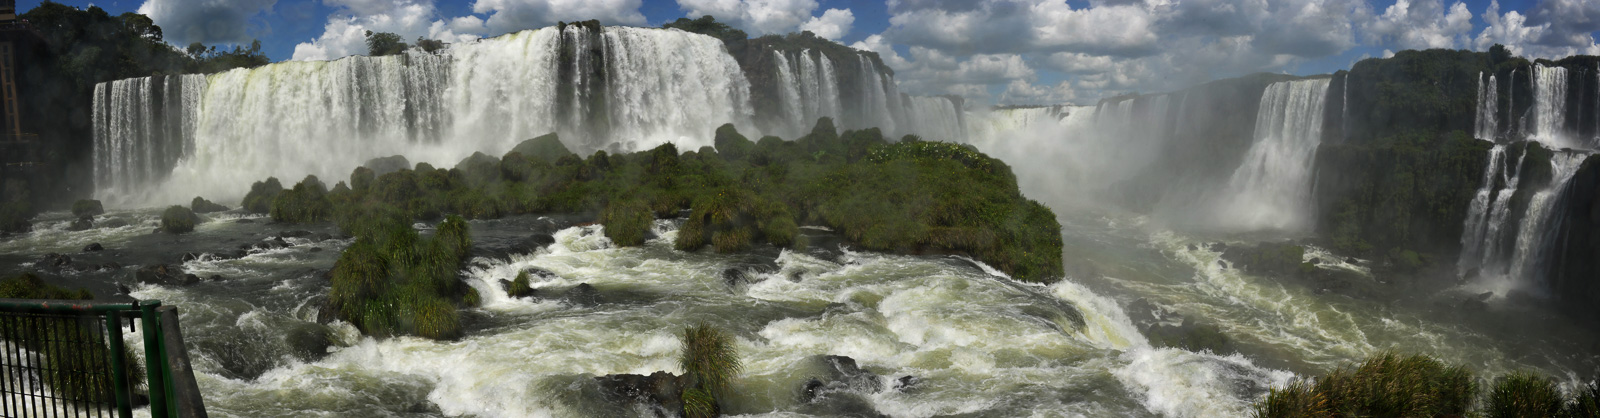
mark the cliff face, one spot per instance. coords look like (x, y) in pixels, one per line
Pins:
(1574, 276)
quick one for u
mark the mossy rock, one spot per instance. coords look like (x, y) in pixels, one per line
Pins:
(87, 207)
(547, 147)
(480, 169)
(731, 144)
(201, 205)
(386, 165)
(627, 222)
(306, 202)
(178, 220)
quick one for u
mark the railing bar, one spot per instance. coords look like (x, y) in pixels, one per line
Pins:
(12, 386)
(43, 406)
(107, 398)
(53, 357)
(87, 396)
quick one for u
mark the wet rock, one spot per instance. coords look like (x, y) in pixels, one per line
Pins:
(123, 289)
(841, 374)
(796, 276)
(734, 277)
(81, 224)
(53, 261)
(322, 237)
(115, 223)
(661, 390)
(1193, 247)
(299, 233)
(315, 249)
(906, 382)
(583, 294)
(309, 342)
(164, 274)
(187, 257)
(200, 205)
(215, 278)
(92, 247)
(1219, 247)
(111, 266)
(1191, 336)
(245, 221)
(541, 240)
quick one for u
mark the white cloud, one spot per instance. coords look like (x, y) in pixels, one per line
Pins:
(208, 21)
(1421, 24)
(833, 24)
(1525, 37)
(1025, 93)
(345, 32)
(758, 17)
(506, 16)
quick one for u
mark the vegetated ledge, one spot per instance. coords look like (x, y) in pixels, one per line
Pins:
(905, 197)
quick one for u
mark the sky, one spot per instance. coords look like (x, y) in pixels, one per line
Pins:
(990, 51)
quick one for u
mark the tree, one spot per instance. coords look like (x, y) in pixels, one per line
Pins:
(707, 25)
(429, 45)
(384, 43)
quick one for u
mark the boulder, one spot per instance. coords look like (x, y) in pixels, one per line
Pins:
(81, 224)
(200, 205)
(660, 390)
(583, 294)
(386, 165)
(841, 375)
(87, 208)
(92, 247)
(165, 275)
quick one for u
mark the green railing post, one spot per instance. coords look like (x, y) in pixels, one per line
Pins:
(155, 374)
(119, 373)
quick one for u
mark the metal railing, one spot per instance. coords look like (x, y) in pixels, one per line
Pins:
(64, 358)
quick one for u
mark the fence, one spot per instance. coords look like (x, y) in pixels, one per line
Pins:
(68, 359)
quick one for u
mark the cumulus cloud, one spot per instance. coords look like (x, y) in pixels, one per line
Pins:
(1420, 24)
(345, 32)
(758, 17)
(833, 24)
(209, 21)
(507, 16)
(1556, 32)
(1022, 92)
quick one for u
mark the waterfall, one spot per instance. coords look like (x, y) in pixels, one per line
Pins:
(1550, 106)
(1538, 229)
(1485, 125)
(874, 98)
(1270, 188)
(1511, 101)
(934, 118)
(1477, 224)
(618, 89)
(142, 126)
(1344, 109)
(791, 108)
(808, 88)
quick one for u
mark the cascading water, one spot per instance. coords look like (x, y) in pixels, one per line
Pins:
(1477, 226)
(624, 89)
(808, 88)
(1485, 124)
(1550, 106)
(935, 118)
(874, 106)
(1538, 229)
(142, 126)
(1271, 187)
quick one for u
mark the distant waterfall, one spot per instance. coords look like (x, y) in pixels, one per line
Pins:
(1486, 125)
(874, 106)
(1271, 187)
(935, 118)
(619, 89)
(1476, 237)
(1550, 106)
(808, 87)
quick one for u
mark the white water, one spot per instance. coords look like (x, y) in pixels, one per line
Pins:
(1534, 236)
(296, 118)
(876, 95)
(1475, 228)
(1550, 107)
(935, 118)
(1271, 188)
(1485, 124)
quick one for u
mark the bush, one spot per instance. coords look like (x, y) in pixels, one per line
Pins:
(178, 220)
(545, 147)
(87, 207)
(1587, 402)
(627, 222)
(1524, 395)
(519, 286)
(201, 205)
(732, 145)
(261, 195)
(391, 281)
(1384, 385)
(29, 286)
(479, 169)
(710, 361)
(306, 202)
(361, 179)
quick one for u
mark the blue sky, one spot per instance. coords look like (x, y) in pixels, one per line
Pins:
(992, 51)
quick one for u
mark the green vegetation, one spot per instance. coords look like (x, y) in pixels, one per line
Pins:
(519, 287)
(178, 220)
(29, 286)
(1402, 195)
(1524, 395)
(908, 197)
(201, 205)
(384, 43)
(87, 207)
(1388, 385)
(707, 25)
(711, 363)
(306, 202)
(261, 196)
(392, 281)
(16, 216)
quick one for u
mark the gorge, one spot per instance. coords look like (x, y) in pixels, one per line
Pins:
(1215, 241)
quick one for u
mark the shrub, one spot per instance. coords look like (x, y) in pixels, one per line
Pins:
(29, 286)
(1384, 385)
(261, 195)
(627, 222)
(547, 147)
(732, 145)
(1523, 395)
(479, 169)
(516, 167)
(1587, 402)
(201, 205)
(87, 207)
(710, 360)
(178, 220)
(306, 202)
(519, 286)
(361, 179)
(391, 281)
